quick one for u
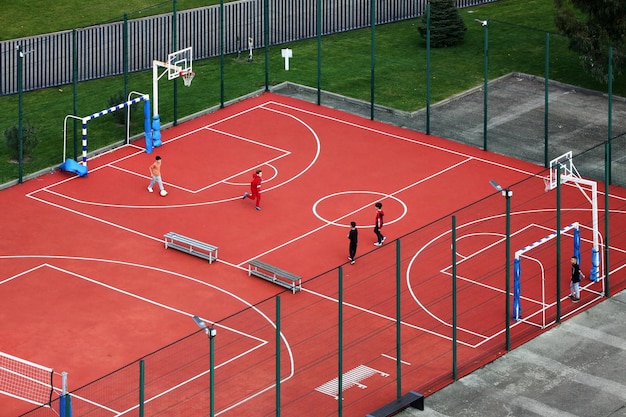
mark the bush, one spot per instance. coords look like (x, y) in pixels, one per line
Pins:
(30, 140)
(446, 24)
(120, 115)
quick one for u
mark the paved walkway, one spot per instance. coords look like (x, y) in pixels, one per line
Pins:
(576, 369)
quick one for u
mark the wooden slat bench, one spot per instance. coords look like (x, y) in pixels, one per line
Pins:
(191, 246)
(275, 275)
(412, 399)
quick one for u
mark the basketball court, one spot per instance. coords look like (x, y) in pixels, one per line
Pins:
(88, 285)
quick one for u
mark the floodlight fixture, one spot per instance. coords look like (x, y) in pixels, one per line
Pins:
(495, 185)
(210, 331)
(506, 193)
(201, 324)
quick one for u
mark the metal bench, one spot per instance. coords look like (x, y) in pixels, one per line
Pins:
(275, 275)
(412, 399)
(191, 246)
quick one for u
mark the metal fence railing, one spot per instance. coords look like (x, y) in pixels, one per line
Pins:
(99, 51)
(437, 294)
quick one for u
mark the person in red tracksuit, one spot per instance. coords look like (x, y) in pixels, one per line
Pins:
(255, 189)
(379, 224)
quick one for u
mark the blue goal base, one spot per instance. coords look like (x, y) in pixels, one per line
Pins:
(72, 166)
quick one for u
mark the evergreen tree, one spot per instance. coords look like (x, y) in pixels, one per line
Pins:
(447, 27)
(593, 26)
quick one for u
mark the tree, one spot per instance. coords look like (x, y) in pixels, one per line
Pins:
(593, 26)
(447, 27)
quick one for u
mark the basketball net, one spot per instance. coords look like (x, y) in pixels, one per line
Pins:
(187, 77)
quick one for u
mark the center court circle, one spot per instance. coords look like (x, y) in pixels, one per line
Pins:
(338, 222)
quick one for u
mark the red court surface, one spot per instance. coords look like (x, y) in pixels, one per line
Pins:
(88, 287)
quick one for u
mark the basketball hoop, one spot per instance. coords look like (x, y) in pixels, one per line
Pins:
(187, 77)
(547, 184)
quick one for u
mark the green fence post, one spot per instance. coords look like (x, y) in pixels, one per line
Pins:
(340, 345)
(319, 52)
(398, 322)
(546, 82)
(454, 335)
(68, 406)
(266, 32)
(142, 375)
(125, 63)
(75, 89)
(175, 48)
(558, 245)
(20, 131)
(607, 166)
(485, 82)
(222, 97)
(278, 356)
(428, 69)
(610, 111)
(507, 194)
(373, 56)
(212, 370)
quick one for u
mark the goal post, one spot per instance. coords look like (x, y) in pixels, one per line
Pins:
(71, 165)
(517, 268)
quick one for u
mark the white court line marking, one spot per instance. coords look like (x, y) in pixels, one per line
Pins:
(317, 153)
(264, 106)
(388, 318)
(283, 152)
(317, 229)
(384, 355)
(350, 379)
(131, 264)
(334, 223)
(487, 338)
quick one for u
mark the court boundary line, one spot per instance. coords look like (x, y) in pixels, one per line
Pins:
(263, 316)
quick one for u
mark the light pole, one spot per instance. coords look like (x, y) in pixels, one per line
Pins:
(211, 332)
(507, 194)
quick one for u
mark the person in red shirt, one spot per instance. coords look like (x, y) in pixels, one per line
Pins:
(255, 189)
(379, 224)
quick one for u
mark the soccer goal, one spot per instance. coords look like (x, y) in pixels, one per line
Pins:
(574, 228)
(81, 169)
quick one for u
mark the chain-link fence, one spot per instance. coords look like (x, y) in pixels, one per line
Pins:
(447, 296)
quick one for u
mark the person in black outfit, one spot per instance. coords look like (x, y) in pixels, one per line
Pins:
(575, 282)
(354, 240)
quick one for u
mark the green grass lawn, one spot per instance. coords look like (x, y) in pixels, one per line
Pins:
(33, 17)
(517, 36)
